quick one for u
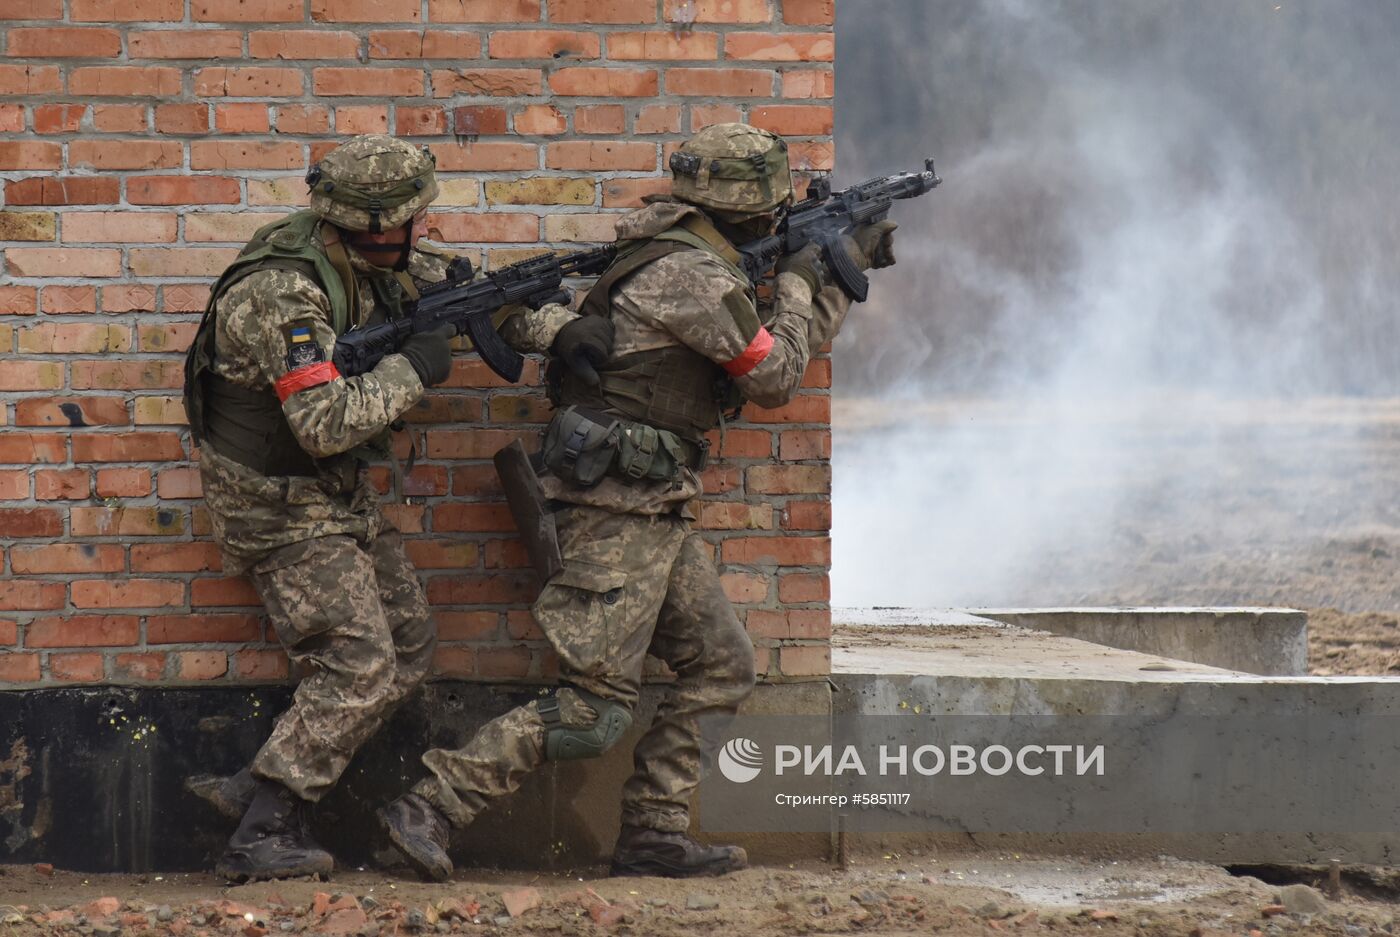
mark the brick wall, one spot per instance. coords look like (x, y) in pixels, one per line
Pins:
(141, 141)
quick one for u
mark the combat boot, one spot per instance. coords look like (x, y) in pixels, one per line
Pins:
(642, 851)
(273, 840)
(229, 794)
(419, 831)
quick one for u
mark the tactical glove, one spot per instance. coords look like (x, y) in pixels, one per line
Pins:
(807, 264)
(430, 354)
(584, 345)
(873, 245)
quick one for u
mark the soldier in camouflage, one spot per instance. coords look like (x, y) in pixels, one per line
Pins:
(283, 442)
(622, 456)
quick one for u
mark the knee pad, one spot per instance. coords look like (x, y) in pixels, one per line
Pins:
(567, 743)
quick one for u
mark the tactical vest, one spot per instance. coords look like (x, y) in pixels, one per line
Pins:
(673, 388)
(248, 425)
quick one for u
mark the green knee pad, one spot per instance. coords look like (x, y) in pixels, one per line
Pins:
(567, 743)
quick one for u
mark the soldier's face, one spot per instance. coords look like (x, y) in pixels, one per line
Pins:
(388, 248)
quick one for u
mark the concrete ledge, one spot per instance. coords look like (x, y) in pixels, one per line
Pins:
(1270, 641)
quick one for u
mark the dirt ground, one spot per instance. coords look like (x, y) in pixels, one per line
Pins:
(882, 893)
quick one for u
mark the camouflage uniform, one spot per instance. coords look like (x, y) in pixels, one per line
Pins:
(330, 568)
(637, 579)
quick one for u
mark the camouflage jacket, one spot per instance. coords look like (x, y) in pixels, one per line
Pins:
(685, 298)
(257, 321)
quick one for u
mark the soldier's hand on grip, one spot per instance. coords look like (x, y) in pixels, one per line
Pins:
(430, 354)
(807, 264)
(875, 243)
(584, 345)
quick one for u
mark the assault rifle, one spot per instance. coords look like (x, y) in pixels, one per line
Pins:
(824, 216)
(468, 305)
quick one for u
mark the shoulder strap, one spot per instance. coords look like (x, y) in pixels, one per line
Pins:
(628, 261)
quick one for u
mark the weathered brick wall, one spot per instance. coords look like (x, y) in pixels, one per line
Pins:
(141, 141)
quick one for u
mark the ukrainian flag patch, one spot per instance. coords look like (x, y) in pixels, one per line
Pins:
(302, 348)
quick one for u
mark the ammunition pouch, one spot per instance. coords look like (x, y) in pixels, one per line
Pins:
(582, 446)
(568, 743)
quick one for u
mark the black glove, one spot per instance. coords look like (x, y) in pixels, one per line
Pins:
(430, 354)
(874, 245)
(584, 345)
(807, 264)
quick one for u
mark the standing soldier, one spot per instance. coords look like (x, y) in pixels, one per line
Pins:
(622, 457)
(283, 440)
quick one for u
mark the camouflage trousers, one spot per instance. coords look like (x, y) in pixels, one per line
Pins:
(355, 617)
(631, 585)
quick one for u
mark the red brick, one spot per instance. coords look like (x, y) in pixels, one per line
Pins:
(458, 516)
(793, 119)
(240, 155)
(745, 588)
(58, 118)
(777, 551)
(127, 447)
(18, 301)
(9, 632)
(69, 299)
(467, 626)
(365, 11)
(16, 10)
(809, 12)
(780, 47)
(30, 155)
(71, 411)
(667, 46)
(814, 154)
(178, 262)
(461, 227)
(178, 483)
(356, 119)
(119, 118)
(76, 668)
(805, 660)
(600, 155)
(14, 485)
(146, 667)
(424, 44)
(30, 522)
(248, 82)
(595, 82)
(125, 154)
(798, 445)
(600, 118)
(303, 44)
(185, 298)
(31, 448)
(182, 190)
(243, 117)
(11, 118)
(809, 83)
(807, 408)
(503, 663)
(125, 522)
(494, 589)
(602, 11)
(804, 587)
(31, 375)
(123, 483)
(720, 82)
(658, 118)
(545, 44)
(627, 193)
(305, 118)
(453, 661)
(479, 119)
(418, 121)
(182, 118)
(443, 554)
(722, 11)
(131, 593)
(223, 592)
(198, 557)
(63, 190)
(201, 665)
(62, 485)
(199, 45)
(202, 629)
(540, 120)
(63, 42)
(735, 515)
(104, 11)
(487, 82)
(124, 375)
(485, 157)
(122, 81)
(807, 515)
(371, 82)
(19, 668)
(117, 227)
(506, 554)
(18, 595)
(484, 11)
(721, 479)
(30, 79)
(84, 631)
(260, 664)
(246, 11)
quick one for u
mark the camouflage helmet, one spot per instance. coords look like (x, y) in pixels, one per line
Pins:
(732, 168)
(372, 182)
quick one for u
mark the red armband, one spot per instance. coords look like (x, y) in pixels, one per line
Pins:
(313, 375)
(758, 349)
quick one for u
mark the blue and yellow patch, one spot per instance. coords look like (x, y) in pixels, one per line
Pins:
(302, 348)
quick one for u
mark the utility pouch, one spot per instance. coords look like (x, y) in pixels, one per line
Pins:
(580, 445)
(645, 452)
(528, 506)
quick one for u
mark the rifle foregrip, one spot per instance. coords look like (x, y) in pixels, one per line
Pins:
(849, 277)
